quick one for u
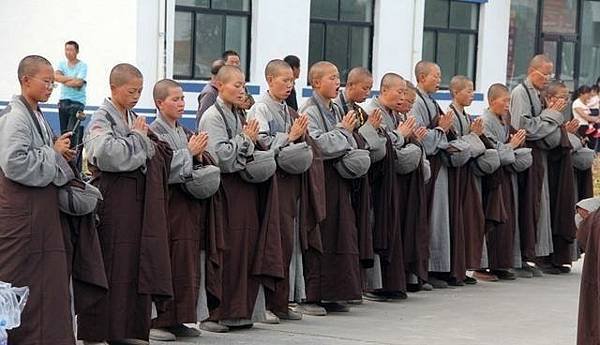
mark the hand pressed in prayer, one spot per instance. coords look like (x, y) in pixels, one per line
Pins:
(375, 118)
(349, 121)
(140, 125)
(197, 144)
(559, 104)
(477, 126)
(518, 138)
(406, 128)
(251, 130)
(446, 121)
(62, 145)
(298, 128)
(572, 126)
(419, 133)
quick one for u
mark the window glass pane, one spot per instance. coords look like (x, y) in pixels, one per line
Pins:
(429, 45)
(182, 61)
(551, 50)
(359, 46)
(324, 9)
(463, 15)
(521, 39)
(567, 68)
(560, 16)
(315, 46)
(589, 61)
(235, 5)
(356, 10)
(446, 56)
(195, 3)
(336, 49)
(236, 35)
(209, 43)
(466, 55)
(436, 13)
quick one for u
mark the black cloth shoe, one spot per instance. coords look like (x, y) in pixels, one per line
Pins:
(564, 269)
(455, 282)
(413, 287)
(335, 307)
(470, 281)
(396, 295)
(504, 274)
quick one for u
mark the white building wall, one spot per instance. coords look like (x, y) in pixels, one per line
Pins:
(105, 30)
(494, 20)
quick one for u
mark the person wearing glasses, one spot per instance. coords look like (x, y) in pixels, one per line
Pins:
(33, 166)
(72, 74)
(540, 119)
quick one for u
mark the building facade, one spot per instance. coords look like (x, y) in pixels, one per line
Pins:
(488, 40)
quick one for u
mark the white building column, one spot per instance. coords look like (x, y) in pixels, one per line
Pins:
(397, 38)
(279, 28)
(492, 52)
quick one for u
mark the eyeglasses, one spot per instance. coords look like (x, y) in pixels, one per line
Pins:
(49, 84)
(547, 76)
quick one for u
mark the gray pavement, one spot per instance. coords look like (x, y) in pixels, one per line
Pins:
(539, 311)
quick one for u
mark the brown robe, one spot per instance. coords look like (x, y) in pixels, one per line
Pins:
(500, 221)
(184, 248)
(85, 255)
(334, 275)
(388, 231)
(33, 254)
(136, 260)
(562, 198)
(531, 182)
(292, 191)
(414, 222)
(588, 324)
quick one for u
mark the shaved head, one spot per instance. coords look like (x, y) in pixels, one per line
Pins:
(216, 66)
(162, 88)
(274, 67)
(459, 83)
(228, 72)
(555, 88)
(539, 61)
(424, 68)
(390, 79)
(122, 73)
(496, 91)
(318, 70)
(30, 66)
(358, 74)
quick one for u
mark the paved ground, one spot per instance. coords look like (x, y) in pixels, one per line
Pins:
(540, 311)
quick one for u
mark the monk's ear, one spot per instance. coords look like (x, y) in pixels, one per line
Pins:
(316, 83)
(269, 79)
(219, 85)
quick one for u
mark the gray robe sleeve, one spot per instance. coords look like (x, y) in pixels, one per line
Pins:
(231, 154)
(505, 151)
(537, 127)
(28, 165)
(181, 165)
(435, 138)
(182, 161)
(266, 138)
(112, 152)
(375, 141)
(333, 143)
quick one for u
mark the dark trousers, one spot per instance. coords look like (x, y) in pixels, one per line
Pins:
(67, 115)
